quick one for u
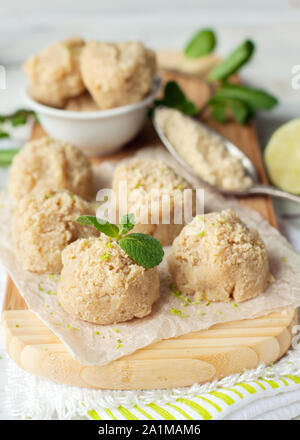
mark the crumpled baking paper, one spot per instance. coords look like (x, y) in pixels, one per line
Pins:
(92, 344)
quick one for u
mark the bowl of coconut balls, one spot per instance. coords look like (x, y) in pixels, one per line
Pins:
(81, 91)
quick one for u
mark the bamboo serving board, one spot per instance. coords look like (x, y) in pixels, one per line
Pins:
(196, 357)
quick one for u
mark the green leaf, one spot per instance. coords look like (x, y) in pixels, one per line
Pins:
(240, 111)
(233, 61)
(201, 43)
(143, 249)
(6, 156)
(127, 223)
(175, 98)
(219, 112)
(255, 98)
(4, 134)
(19, 117)
(103, 226)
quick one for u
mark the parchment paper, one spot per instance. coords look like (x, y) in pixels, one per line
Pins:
(98, 345)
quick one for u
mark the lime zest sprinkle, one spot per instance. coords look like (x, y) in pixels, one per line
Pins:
(283, 259)
(105, 256)
(70, 327)
(120, 344)
(178, 313)
(40, 287)
(54, 277)
(50, 292)
(208, 303)
(222, 220)
(96, 333)
(234, 304)
(116, 330)
(201, 234)
(219, 312)
(57, 323)
(200, 217)
(17, 325)
(109, 244)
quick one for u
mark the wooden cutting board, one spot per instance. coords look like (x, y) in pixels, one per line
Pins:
(196, 357)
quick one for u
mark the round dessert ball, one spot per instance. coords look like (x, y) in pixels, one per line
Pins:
(218, 258)
(46, 164)
(44, 224)
(142, 176)
(100, 283)
(117, 74)
(81, 103)
(54, 74)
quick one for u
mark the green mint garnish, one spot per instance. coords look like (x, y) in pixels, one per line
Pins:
(142, 248)
(175, 98)
(103, 226)
(7, 155)
(126, 224)
(201, 43)
(19, 117)
(236, 59)
(4, 134)
(254, 98)
(240, 111)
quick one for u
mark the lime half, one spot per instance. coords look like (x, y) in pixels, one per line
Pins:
(282, 157)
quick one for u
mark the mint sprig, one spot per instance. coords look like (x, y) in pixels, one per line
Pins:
(7, 155)
(142, 248)
(201, 43)
(19, 117)
(233, 62)
(126, 224)
(239, 101)
(175, 98)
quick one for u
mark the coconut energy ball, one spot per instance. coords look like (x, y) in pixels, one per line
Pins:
(81, 103)
(142, 176)
(46, 164)
(218, 258)
(44, 224)
(54, 74)
(100, 283)
(117, 74)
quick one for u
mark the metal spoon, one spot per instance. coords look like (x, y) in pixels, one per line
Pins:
(255, 189)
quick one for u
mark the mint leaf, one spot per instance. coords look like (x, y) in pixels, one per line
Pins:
(219, 112)
(201, 43)
(127, 223)
(143, 249)
(233, 61)
(175, 98)
(255, 98)
(19, 117)
(102, 225)
(239, 109)
(6, 156)
(4, 134)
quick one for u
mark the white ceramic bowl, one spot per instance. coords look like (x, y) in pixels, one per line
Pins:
(99, 132)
